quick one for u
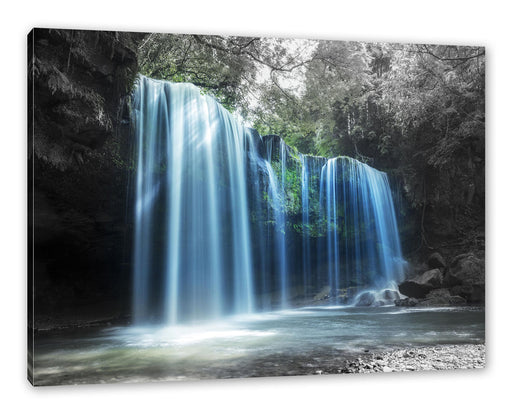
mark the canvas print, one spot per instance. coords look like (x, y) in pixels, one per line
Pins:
(209, 206)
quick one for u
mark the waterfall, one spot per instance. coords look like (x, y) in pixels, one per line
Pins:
(329, 181)
(229, 222)
(306, 247)
(192, 249)
(363, 247)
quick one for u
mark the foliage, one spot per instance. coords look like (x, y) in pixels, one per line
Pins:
(416, 111)
(227, 67)
(435, 95)
(205, 63)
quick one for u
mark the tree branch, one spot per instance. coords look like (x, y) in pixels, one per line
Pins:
(458, 58)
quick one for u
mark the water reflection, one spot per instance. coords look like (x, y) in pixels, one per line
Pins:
(274, 343)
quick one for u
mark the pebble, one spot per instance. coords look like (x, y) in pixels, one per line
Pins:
(420, 359)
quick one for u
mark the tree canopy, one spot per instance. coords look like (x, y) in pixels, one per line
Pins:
(416, 111)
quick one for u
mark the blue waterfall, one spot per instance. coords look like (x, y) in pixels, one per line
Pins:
(229, 222)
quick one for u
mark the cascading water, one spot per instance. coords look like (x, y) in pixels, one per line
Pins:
(306, 247)
(276, 192)
(363, 247)
(192, 248)
(228, 222)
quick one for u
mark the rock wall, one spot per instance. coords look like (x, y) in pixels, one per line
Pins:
(79, 161)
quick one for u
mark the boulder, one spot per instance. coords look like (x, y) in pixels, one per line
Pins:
(466, 267)
(457, 300)
(442, 292)
(390, 295)
(408, 302)
(466, 277)
(443, 301)
(376, 297)
(365, 299)
(436, 261)
(442, 297)
(472, 292)
(421, 285)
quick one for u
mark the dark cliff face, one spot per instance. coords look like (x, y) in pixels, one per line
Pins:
(80, 80)
(79, 168)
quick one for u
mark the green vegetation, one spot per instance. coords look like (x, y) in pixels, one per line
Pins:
(415, 111)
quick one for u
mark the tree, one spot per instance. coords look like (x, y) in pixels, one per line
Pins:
(212, 64)
(333, 82)
(436, 97)
(232, 68)
(415, 111)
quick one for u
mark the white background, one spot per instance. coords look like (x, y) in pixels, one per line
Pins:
(458, 22)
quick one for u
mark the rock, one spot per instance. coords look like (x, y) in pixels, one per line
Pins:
(376, 297)
(421, 358)
(79, 92)
(323, 294)
(365, 299)
(466, 278)
(472, 293)
(442, 292)
(442, 297)
(409, 302)
(389, 294)
(436, 261)
(436, 297)
(420, 286)
(443, 301)
(466, 267)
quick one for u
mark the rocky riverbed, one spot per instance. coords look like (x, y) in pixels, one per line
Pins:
(427, 358)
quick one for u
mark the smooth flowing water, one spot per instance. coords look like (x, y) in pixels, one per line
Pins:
(293, 342)
(192, 253)
(362, 233)
(228, 222)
